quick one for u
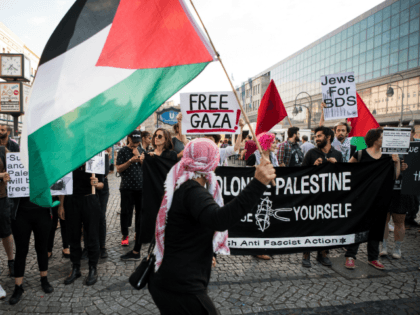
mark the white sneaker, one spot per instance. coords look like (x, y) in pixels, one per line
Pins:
(391, 227)
(384, 252)
(397, 253)
(2, 293)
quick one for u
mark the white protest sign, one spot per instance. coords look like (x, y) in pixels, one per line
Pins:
(396, 140)
(96, 165)
(339, 95)
(18, 186)
(210, 113)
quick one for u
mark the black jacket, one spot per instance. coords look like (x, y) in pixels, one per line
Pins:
(313, 154)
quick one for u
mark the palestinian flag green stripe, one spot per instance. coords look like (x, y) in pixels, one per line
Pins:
(108, 117)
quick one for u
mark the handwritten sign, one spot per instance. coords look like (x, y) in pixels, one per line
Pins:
(96, 165)
(210, 113)
(339, 95)
(18, 186)
(396, 140)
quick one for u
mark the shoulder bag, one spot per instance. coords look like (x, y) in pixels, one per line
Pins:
(140, 277)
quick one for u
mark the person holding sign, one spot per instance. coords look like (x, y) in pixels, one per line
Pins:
(82, 209)
(323, 153)
(180, 140)
(5, 224)
(189, 228)
(373, 152)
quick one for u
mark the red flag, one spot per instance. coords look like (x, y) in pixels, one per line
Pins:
(364, 122)
(271, 110)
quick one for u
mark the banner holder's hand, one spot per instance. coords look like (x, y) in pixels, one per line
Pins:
(265, 172)
(93, 183)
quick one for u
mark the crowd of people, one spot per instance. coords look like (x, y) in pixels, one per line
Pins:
(194, 230)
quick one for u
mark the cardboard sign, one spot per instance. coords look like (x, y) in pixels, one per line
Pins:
(339, 95)
(210, 113)
(96, 165)
(18, 186)
(411, 176)
(396, 140)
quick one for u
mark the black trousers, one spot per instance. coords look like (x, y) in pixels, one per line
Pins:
(63, 228)
(103, 201)
(28, 220)
(170, 303)
(83, 211)
(372, 247)
(129, 200)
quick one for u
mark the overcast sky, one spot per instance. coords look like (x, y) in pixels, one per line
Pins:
(250, 35)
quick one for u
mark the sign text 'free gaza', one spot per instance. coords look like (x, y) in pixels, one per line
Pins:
(339, 95)
(210, 113)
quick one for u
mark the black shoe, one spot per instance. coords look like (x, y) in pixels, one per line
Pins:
(46, 286)
(17, 294)
(306, 260)
(92, 276)
(130, 256)
(412, 222)
(84, 254)
(324, 260)
(75, 273)
(104, 253)
(11, 264)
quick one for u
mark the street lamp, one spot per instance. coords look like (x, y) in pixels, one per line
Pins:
(390, 93)
(296, 110)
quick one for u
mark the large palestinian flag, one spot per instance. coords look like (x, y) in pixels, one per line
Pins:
(106, 68)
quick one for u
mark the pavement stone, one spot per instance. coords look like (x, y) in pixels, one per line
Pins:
(238, 285)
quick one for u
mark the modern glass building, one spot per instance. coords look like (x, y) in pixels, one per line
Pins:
(379, 43)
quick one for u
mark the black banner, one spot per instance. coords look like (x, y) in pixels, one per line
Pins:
(411, 176)
(311, 208)
(155, 170)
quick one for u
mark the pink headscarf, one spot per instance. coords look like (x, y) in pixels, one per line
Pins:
(265, 139)
(200, 159)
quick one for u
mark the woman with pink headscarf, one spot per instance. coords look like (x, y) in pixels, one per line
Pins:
(192, 224)
(268, 145)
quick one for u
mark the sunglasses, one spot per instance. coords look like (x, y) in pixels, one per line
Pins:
(158, 136)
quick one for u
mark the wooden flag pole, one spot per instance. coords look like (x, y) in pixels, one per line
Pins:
(290, 123)
(93, 187)
(231, 84)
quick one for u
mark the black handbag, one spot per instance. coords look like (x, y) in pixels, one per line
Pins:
(140, 277)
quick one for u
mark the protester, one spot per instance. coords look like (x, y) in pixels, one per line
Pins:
(227, 151)
(64, 236)
(373, 152)
(5, 224)
(306, 145)
(146, 141)
(163, 145)
(128, 165)
(180, 140)
(28, 217)
(82, 208)
(132, 188)
(290, 153)
(413, 209)
(322, 153)
(341, 141)
(185, 228)
(10, 145)
(250, 147)
(268, 145)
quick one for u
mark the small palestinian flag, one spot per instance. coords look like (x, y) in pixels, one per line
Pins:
(361, 124)
(106, 68)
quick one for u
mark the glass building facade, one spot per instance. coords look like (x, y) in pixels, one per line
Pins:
(379, 44)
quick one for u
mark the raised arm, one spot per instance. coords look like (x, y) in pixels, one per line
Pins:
(183, 139)
(321, 121)
(239, 140)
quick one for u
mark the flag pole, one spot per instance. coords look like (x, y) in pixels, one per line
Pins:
(290, 123)
(231, 84)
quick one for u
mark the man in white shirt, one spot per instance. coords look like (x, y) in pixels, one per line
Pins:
(306, 145)
(230, 150)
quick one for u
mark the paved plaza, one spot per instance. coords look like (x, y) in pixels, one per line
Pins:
(239, 284)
